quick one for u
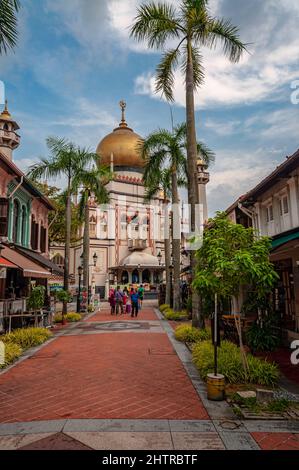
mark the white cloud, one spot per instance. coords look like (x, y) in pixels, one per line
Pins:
(273, 62)
(235, 173)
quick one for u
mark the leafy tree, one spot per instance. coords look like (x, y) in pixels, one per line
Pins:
(192, 28)
(56, 218)
(232, 256)
(8, 24)
(36, 298)
(66, 161)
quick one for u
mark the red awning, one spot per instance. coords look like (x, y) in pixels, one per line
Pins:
(29, 268)
(4, 263)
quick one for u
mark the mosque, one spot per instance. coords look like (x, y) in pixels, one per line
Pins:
(126, 235)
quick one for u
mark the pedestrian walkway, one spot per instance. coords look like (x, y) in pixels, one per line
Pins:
(116, 382)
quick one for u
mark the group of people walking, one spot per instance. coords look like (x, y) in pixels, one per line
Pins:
(125, 301)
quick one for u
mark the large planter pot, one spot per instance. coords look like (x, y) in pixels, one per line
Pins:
(216, 387)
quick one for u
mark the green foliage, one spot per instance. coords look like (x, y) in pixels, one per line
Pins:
(12, 352)
(70, 317)
(251, 404)
(190, 27)
(261, 336)
(27, 337)
(176, 316)
(8, 24)
(90, 308)
(36, 298)
(64, 296)
(230, 364)
(231, 256)
(164, 307)
(189, 334)
(73, 317)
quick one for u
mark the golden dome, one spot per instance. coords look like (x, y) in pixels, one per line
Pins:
(123, 144)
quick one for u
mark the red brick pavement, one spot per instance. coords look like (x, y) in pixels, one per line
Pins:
(104, 315)
(107, 375)
(277, 440)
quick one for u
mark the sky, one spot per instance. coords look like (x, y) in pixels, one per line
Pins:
(75, 61)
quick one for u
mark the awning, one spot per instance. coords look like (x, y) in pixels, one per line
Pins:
(29, 268)
(4, 263)
(40, 259)
(284, 239)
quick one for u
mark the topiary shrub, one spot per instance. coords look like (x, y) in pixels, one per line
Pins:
(73, 317)
(176, 316)
(164, 307)
(27, 337)
(70, 317)
(189, 334)
(230, 364)
(11, 352)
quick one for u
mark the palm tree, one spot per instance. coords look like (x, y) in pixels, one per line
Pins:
(92, 182)
(167, 149)
(65, 161)
(8, 24)
(160, 180)
(192, 26)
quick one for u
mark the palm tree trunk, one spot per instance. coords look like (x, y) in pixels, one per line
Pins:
(176, 243)
(67, 247)
(193, 196)
(86, 248)
(167, 252)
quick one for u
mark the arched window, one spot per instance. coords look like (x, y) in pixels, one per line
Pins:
(5, 126)
(16, 220)
(104, 224)
(135, 277)
(24, 226)
(125, 277)
(58, 260)
(146, 276)
(93, 226)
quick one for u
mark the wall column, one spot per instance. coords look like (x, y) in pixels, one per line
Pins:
(38, 236)
(10, 220)
(294, 207)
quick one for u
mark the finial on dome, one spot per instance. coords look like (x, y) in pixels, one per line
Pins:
(123, 106)
(5, 113)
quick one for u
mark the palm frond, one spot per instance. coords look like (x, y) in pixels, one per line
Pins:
(165, 73)
(221, 30)
(47, 169)
(207, 155)
(198, 68)
(8, 24)
(155, 23)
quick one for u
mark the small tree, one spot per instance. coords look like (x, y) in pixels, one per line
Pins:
(65, 297)
(36, 298)
(231, 257)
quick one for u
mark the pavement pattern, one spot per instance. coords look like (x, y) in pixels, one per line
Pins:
(116, 382)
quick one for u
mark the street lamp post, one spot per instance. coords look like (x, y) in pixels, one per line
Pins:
(171, 284)
(95, 259)
(80, 270)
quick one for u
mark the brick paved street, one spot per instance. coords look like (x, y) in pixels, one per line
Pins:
(117, 382)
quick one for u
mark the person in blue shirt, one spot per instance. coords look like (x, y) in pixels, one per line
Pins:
(134, 301)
